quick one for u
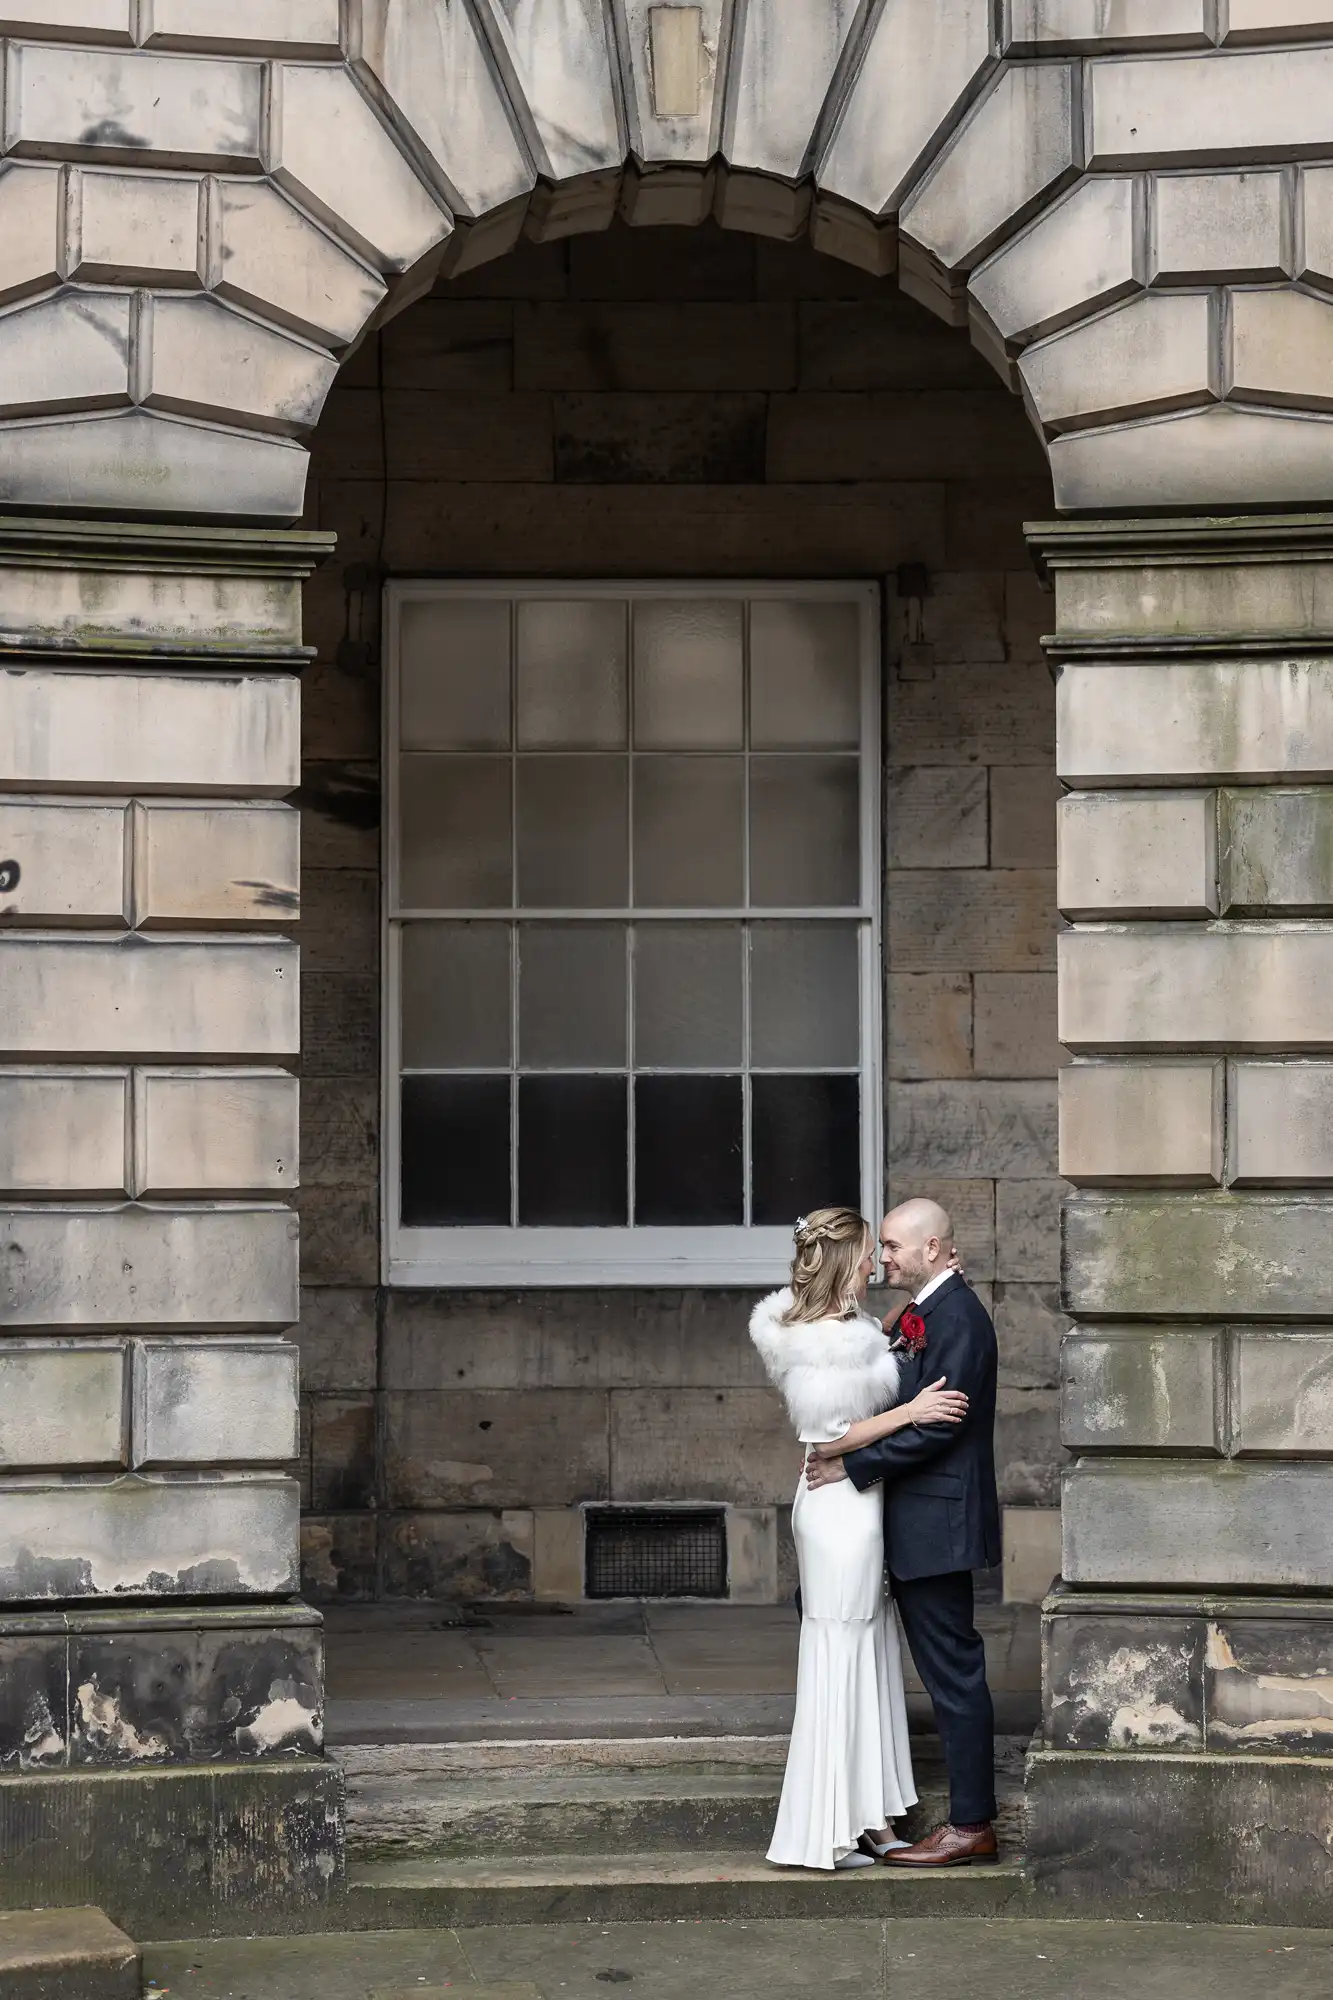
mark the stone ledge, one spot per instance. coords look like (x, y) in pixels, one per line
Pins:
(73, 1954)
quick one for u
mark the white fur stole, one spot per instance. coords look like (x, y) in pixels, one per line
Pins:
(830, 1371)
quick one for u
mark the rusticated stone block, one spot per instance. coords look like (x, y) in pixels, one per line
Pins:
(1150, 353)
(227, 1131)
(1214, 988)
(109, 461)
(1277, 851)
(1137, 854)
(1144, 1388)
(508, 1447)
(1199, 1256)
(962, 1130)
(1269, 1685)
(230, 1535)
(684, 1440)
(274, 259)
(66, 863)
(1280, 1124)
(1172, 722)
(120, 107)
(63, 1132)
(1077, 255)
(213, 1402)
(93, 343)
(62, 1403)
(1125, 1122)
(75, 731)
(930, 1024)
(71, 20)
(1282, 1393)
(1117, 1681)
(201, 363)
(134, 228)
(458, 1555)
(31, 202)
(136, 995)
(294, 27)
(1216, 226)
(203, 865)
(229, 1268)
(1222, 1524)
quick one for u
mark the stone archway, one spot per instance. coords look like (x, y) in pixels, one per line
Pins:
(1130, 203)
(203, 211)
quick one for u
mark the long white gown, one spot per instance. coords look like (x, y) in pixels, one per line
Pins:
(849, 1767)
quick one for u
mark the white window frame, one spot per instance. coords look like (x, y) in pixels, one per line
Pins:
(471, 1255)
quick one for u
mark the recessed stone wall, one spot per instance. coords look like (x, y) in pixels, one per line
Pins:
(676, 403)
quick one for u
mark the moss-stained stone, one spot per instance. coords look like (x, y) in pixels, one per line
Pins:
(1143, 1388)
(1215, 1524)
(1213, 1256)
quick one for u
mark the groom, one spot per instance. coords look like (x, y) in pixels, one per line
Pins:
(941, 1518)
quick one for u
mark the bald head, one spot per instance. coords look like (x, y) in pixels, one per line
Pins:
(915, 1239)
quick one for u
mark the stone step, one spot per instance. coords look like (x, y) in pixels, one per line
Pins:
(636, 1887)
(638, 1796)
(75, 1954)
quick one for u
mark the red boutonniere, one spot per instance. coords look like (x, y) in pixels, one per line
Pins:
(912, 1332)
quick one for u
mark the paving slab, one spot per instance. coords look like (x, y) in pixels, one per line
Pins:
(72, 1954)
(844, 1956)
(326, 1966)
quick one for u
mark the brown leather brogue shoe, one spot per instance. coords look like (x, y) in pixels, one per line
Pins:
(946, 1847)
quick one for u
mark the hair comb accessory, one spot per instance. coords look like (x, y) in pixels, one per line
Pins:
(801, 1226)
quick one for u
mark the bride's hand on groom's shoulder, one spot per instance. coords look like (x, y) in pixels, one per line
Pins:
(956, 1263)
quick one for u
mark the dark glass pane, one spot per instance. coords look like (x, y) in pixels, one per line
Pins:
(572, 1152)
(806, 1144)
(688, 1149)
(455, 1149)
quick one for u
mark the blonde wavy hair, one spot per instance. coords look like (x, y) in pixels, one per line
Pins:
(830, 1243)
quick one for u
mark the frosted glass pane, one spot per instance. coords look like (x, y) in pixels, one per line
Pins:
(453, 689)
(455, 835)
(455, 980)
(687, 995)
(805, 675)
(804, 836)
(571, 1005)
(572, 675)
(687, 674)
(689, 815)
(804, 997)
(573, 846)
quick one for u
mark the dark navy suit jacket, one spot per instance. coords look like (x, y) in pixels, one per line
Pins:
(941, 1509)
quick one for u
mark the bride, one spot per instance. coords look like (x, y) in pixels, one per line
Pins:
(849, 1768)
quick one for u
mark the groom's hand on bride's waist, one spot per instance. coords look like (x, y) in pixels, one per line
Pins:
(823, 1471)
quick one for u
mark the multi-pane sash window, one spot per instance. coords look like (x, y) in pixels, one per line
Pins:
(631, 937)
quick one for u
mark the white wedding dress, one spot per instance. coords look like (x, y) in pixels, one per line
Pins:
(849, 1767)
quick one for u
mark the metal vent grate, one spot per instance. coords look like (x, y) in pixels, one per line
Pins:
(671, 1552)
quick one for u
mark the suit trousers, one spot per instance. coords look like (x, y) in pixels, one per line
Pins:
(946, 1648)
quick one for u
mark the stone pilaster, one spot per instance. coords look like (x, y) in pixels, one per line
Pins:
(149, 1019)
(1186, 1752)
